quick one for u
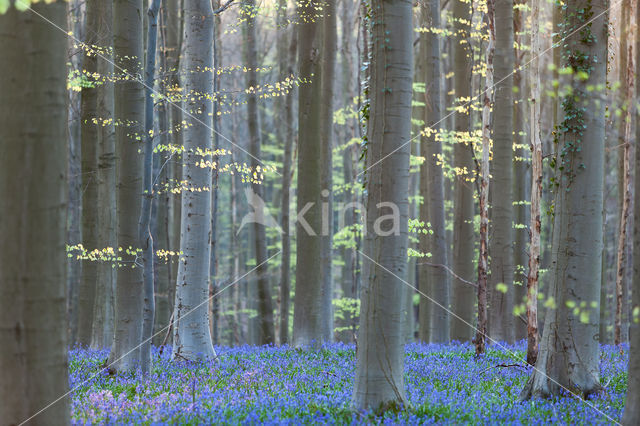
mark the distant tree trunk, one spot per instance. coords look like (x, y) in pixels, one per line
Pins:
(379, 376)
(536, 191)
(286, 57)
(569, 350)
(624, 172)
(483, 255)
(89, 170)
(144, 223)
(103, 322)
(632, 406)
(521, 169)
(191, 334)
(75, 23)
(129, 107)
(463, 233)
(433, 280)
(265, 304)
(308, 320)
(501, 290)
(329, 33)
(33, 197)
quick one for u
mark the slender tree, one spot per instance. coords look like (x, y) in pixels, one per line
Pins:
(286, 64)
(33, 196)
(129, 108)
(103, 318)
(144, 222)
(536, 191)
(483, 255)
(632, 405)
(463, 248)
(379, 381)
(265, 304)
(434, 279)
(191, 334)
(89, 169)
(329, 46)
(569, 350)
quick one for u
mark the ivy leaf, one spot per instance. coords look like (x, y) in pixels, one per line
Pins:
(4, 6)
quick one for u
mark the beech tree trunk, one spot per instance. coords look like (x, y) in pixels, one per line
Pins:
(433, 280)
(536, 191)
(309, 321)
(463, 233)
(379, 381)
(129, 107)
(191, 334)
(483, 255)
(103, 311)
(33, 197)
(632, 405)
(89, 170)
(266, 330)
(569, 349)
(501, 290)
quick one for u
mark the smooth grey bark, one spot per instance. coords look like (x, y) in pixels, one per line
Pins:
(501, 325)
(33, 197)
(308, 320)
(329, 47)
(286, 64)
(129, 107)
(521, 168)
(569, 348)
(104, 315)
(144, 222)
(433, 280)
(632, 406)
(266, 331)
(89, 171)
(191, 334)
(379, 375)
(75, 23)
(463, 233)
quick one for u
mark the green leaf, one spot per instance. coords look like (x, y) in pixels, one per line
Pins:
(23, 5)
(4, 6)
(502, 287)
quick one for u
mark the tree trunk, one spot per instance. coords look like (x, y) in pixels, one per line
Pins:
(569, 350)
(89, 170)
(379, 381)
(191, 334)
(632, 405)
(265, 304)
(104, 315)
(308, 319)
(464, 238)
(521, 169)
(287, 57)
(624, 175)
(329, 33)
(484, 176)
(129, 107)
(144, 222)
(536, 191)
(433, 280)
(33, 197)
(501, 290)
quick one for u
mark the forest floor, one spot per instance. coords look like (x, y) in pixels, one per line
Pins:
(445, 384)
